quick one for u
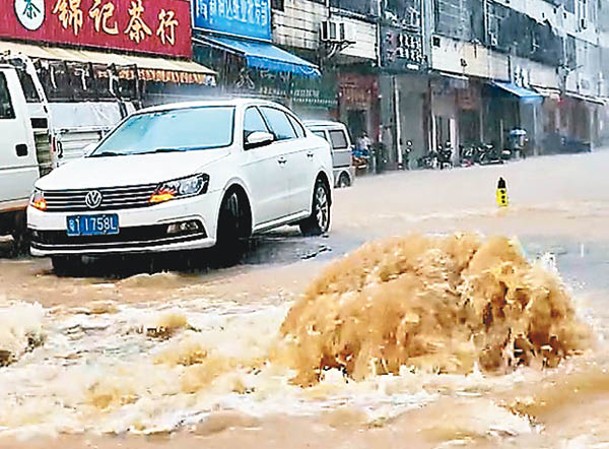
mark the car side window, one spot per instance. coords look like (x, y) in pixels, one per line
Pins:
(339, 140)
(321, 134)
(300, 132)
(253, 122)
(6, 104)
(279, 123)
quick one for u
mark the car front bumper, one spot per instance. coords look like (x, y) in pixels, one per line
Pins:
(141, 230)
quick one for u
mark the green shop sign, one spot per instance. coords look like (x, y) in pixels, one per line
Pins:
(283, 87)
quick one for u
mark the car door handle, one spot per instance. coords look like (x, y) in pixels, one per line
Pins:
(310, 154)
(21, 150)
(282, 160)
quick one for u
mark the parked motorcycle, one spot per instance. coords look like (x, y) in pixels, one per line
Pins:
(428, 161)
(489, 155)
(468, 155)
(445, 156)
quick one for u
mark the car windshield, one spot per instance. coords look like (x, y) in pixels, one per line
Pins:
(174, 130)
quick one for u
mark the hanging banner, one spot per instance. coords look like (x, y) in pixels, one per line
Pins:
(142, 26)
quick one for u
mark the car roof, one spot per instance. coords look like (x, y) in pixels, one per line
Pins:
(234, 102)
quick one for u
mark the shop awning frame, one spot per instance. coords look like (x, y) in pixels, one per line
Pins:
(262, 55)
(523, 94)
(145, 63)
(576, 96)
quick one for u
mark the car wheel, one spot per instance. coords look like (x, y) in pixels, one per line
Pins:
(319, 221)
(232, 231)
(67, 265)
(344, 180)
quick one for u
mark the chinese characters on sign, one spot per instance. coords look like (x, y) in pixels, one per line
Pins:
(101, 15)
(150, 26)
(402, 49)
(30, 13)
(244, 18)
(167, 27)
(137, 28)
(69, 14)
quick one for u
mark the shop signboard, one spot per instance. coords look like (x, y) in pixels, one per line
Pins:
(140, 26)
(308, 92)
(250, 19)
(402, 50)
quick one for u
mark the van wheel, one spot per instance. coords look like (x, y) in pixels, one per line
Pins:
(319, 221)
(67, 265)
(232, 230)
(344, 180)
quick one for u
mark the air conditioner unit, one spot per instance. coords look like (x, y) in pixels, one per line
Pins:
(333, 31)
(349, 33)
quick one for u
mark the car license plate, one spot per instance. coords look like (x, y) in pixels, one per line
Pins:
(87, 225)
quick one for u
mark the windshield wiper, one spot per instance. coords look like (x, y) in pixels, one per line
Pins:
(107, 154)
(167, 150)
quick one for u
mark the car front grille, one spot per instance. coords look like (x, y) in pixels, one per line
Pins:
(113, 198)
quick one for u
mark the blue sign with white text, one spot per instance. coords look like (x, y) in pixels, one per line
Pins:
(243, 18)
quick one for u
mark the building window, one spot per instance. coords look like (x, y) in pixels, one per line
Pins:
(278, 5)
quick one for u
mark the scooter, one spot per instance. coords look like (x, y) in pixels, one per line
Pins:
(488, 155)
(468, 156)
(428, 161)
(445, 155)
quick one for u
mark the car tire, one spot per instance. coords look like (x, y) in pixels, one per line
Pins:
(67, 265)
(318, 223)
(232, 232)
(344, 180)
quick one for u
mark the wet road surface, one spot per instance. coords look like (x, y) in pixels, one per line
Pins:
(96, 329)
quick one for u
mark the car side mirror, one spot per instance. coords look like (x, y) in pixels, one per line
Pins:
(258, 139)
(89, 149)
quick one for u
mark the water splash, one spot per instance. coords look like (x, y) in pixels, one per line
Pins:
(440, 304)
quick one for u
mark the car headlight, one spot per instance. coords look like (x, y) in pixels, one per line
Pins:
(37, 200)
(180, 188)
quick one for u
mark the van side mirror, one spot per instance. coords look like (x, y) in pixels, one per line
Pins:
(258, 139)
(89, 149)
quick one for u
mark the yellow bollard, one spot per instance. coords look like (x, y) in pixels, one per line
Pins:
(502, 196)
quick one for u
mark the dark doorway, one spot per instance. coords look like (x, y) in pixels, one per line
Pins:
(357, 122)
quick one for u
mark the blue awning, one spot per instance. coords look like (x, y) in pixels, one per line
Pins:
(525, 95)
(263, 55)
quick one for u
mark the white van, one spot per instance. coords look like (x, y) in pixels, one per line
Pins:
(19, 164)
(337, 135)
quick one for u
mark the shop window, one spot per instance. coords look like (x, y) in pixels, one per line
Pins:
(279, 123)
(6, 104)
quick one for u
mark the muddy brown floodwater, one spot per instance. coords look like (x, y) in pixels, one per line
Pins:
(423, 336)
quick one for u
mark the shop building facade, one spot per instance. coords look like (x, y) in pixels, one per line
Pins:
(106, 50)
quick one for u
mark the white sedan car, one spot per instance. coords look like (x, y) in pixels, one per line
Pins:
(182, 177)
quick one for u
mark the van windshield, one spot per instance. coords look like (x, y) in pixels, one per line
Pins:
(202, 128)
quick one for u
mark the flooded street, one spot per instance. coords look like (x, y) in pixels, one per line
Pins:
(180, 354)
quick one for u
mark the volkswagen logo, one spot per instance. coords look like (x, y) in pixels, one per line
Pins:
(93, 199)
